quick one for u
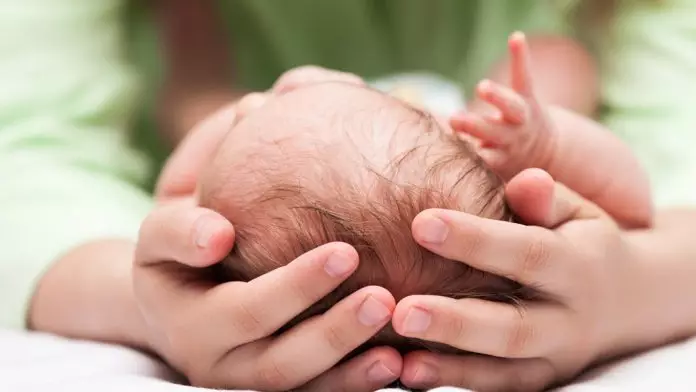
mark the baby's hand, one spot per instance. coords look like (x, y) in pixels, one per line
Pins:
(312, 74)
(518, 134)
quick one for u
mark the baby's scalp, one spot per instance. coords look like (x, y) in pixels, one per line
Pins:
(338, 162)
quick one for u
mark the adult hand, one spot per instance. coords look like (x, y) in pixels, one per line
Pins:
(221, 335)
(581, 267)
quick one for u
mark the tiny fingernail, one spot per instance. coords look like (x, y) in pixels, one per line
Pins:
(372, 312)
(205, 230)
(425, 376)
(378, 373)
(338, 264)
(417, 321)
(434, 230)
(484, 84)
(518, 35)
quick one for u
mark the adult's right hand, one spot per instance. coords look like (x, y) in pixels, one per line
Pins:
(222, 335)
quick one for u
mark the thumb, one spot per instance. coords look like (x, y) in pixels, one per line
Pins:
(538, 200)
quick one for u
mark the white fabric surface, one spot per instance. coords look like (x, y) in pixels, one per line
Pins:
(31, 362)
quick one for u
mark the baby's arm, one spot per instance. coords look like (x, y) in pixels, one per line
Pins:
(575, 150)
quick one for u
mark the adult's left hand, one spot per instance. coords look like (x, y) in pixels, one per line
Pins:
(580, 264)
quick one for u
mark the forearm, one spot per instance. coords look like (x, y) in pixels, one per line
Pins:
(88, 294)
(591, 160)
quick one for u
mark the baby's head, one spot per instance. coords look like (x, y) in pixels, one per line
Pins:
(341, 162)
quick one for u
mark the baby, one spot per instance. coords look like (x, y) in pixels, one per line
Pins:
(337, 161)
(575, 150)
(342, 162)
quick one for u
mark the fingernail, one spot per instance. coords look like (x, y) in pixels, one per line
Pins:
(338, 264)
(433, 230)
(378, 373)
(372, 312)
(484, 85)
(205, 230)
(417, 321)
(425, 376)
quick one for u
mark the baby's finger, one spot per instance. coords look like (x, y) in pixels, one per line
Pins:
(425, 370)
(370, 371)
(497, 159)
(249, 103)
(273, 299)
(484, 327)
(529, 255)
(512, 106)
(286, 362)
(310, 74)
(520, 63)
(180, 174)
(486, 129)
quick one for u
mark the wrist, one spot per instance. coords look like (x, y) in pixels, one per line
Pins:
(88, 294)
(660, 285)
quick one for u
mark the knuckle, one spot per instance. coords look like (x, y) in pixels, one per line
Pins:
(520, 337)
(535, 258)
(246, 323)
(470, 243)
(306, 293)
(453, 330)
(523, 379)
(272, 376)
(337, 339)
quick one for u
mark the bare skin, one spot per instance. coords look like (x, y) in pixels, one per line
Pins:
(524, 132)
(659, 261)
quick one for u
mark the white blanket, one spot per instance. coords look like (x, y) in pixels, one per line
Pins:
(43, 363)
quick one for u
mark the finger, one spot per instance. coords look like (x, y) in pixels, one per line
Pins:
(286, 362)
(511, 105)
(236, 313)
(520, 64)
(497, 159)
(302, 76)
(370, 371)
(483, 327)
(270, 301)
(521, 253)
(424, 370)
(538, 200)
(486, 129)
(249, 103)
(194, 236)
(180, 174)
